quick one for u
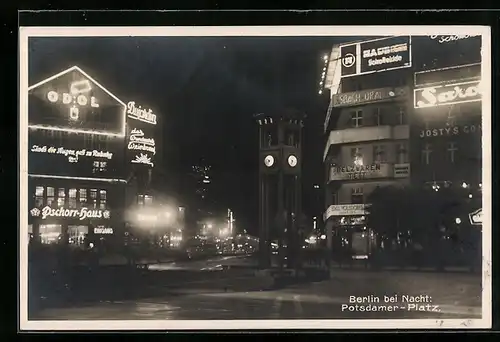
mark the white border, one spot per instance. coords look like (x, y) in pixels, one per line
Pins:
(484, 322)
(358, 53)
(65, 129)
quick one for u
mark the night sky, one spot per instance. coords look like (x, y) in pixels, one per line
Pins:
(205, 91)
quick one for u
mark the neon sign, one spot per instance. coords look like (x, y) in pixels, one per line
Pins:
(75, 98)
(447, 131)
(81, 214)
(143, 159)
(73, 155)
(447, 94)
(73, 101)
(102, 230)
(138, 113)
(138, 142)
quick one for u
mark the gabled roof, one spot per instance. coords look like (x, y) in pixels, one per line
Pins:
(84, 74)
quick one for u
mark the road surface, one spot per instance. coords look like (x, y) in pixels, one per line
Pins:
(448, 296)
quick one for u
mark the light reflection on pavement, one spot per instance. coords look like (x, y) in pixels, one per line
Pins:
(458, 296)
(239, 305)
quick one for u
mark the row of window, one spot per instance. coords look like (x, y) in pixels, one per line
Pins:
(380, 154)
(74, 198)
(451, 153)
(379, 114)
(402, 155)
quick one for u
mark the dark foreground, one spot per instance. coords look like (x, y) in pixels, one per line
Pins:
(213, 292)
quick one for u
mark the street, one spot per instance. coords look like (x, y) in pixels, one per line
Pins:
(237, 296)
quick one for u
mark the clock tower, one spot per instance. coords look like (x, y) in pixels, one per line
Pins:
(280, 207)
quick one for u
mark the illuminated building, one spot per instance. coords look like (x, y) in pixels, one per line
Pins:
(367, 132)
(446, 122)
(75, 160)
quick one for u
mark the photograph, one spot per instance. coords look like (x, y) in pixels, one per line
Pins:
(254, 177)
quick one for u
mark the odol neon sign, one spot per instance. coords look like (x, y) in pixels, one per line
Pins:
(75, 98)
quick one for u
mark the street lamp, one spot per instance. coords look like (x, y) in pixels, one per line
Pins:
(458, 220)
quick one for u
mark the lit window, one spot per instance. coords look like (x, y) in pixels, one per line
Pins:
(72, 198)
(50, 195)
(61, 197)
(39, 196)
(83, 197)
(357, 196)
(102, 199)
(148, 200)
(357, 156)
(93, 198)
(50, 233)
(140, 200)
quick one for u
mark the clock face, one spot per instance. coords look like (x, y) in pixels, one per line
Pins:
(292, 161)
(269, 161)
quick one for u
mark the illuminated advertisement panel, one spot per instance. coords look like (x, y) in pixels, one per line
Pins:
(375, 56)
(76, 128)
(141, 144)
(73, 101)
(447, 94)
(60, 153)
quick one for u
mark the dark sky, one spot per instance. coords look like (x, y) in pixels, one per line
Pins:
(205, 91)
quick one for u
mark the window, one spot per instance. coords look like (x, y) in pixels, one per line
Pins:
(402, 116)
(452, 149)
(379, 155)
(72, 198)
(401, 153)
(83, 197)
(99, 166)
(50, 233)
(148, 200)
(356, 156)
(61, 197)
(93, 198)
(426, 154)
(357, 118)
(39, 196)
(102, 199)
(50, 196)
(357, 196)
(77, 234)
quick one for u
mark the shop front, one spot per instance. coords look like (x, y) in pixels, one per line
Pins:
(79, 228)
(347, 231)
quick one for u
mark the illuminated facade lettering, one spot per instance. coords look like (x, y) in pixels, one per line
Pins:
(138, 113)
(448, 94)
(73, 155)
(81, 214)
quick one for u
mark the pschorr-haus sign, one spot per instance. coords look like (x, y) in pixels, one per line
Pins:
(345, 210)
(447, 94)
(368, 96)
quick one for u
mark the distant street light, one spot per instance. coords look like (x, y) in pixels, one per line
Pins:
(458, 220)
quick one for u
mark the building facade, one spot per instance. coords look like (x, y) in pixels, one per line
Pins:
(446, 132)
(367, 133)
(76, 182)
